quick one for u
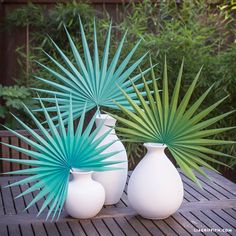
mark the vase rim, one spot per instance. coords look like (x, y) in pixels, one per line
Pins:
(104, 117)
(154, 145)
(80, 172)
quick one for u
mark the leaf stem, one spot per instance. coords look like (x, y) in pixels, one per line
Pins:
(98, 109)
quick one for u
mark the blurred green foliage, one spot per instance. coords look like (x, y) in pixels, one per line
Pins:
(13, 97)
(190, 30)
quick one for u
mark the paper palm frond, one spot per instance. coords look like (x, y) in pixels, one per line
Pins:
(92, 81)
(56, 151)
(176, 123)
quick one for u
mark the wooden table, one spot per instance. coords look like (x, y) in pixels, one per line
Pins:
(214, 208)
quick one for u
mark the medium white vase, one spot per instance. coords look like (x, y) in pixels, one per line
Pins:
(155, 188)
(113, 181)
(85, 197)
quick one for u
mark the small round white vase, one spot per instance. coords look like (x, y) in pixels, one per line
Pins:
(85, 197)
(113, 181)
(155, 189)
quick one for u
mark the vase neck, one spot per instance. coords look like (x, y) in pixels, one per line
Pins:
(107, 121)
(81, 175)
(155, 147)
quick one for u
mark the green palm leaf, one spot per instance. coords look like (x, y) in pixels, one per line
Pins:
(57, 150)
(174, 122)
(92, 81)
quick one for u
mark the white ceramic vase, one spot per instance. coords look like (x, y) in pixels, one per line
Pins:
(113, 181)
(85, 197)
(155, 188)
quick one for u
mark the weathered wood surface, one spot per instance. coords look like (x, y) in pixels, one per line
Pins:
(211, 208)
(10, 138)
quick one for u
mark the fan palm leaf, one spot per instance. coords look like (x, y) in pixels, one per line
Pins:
(176, 123)
(56, 151)
(92, 81)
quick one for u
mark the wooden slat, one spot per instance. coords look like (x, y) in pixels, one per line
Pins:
(138, 226)
(101, 227)
(120, 204)
(2, 212)
(216, 204)
(3, 230)
(64, 229)
(221, 181)
(195, 222)
(150, 226)
(15, 154)
(5, 179)
(216, 187)
(26, 229)
(230, 212)
(191, 194)
(8, 137)
(124, 199)
(118, 212)
(180, 230)
(197, 191)
(28, 198)
(225, 217)
(88, 227)
(165, 228)
(187, 225)
(24, 156)
(39, 229)
(76, 228)
(41, 201)
(125, 226)
(19, 202)
(6, 154)
(33, 139)
(210, 189)
(14, 230)
(189, 198)
(51, 229)
(194, 192)
(207, 221)
(113, 227)
(223, 224)
(5, 133)
(8, 201)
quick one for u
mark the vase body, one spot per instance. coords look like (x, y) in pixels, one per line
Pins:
(113, 181)
(85, 197)
(155, 189)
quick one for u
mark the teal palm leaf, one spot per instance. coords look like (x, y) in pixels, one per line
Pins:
(176, 123)
(92, 81)
(56, 151)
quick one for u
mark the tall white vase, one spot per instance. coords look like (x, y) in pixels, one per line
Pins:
(85, 197)
(155, 188)
(112, 181)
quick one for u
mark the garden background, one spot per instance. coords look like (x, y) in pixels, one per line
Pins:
(201, 32)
